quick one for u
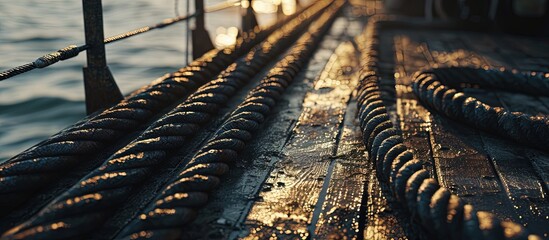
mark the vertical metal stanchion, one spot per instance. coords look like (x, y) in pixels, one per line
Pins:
(187, 32)
(249, 21)
(202, 43)
(100, 88)
(279, 11)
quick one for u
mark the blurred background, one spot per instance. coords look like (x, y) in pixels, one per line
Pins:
(37, 104)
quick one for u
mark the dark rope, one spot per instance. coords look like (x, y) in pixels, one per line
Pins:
(39, 166)
(181, 198)
(442, 214)
(72, 50)
(89, 202)
(441, 90)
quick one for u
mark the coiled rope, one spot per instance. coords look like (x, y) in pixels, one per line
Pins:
(88, 203)
(181, 198)
(73, 50)
(39, 166)
(442, 214)
(441, 90)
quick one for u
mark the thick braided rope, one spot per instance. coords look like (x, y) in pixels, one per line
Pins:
(83, 207)
(23, 174)
(181, 198)
(40, 165)
(442, 214)
(441, 90)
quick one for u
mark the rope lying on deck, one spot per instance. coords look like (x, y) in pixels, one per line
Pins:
(181, 198)
(442, 214)
(21, 175)
(440, 89)
(86, 205)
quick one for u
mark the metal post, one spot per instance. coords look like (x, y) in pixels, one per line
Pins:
(279, 11)
(100, 87)
(202, 43)
(249, 21)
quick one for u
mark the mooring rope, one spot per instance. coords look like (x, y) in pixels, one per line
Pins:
(442, 214)
(441, 90)
(88, 203)
(40, 165)
(73, 50)
(181, 198)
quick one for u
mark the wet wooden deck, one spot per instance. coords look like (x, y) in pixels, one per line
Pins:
(493, 174)
(306, 175)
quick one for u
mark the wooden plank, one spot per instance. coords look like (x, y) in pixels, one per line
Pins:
(463, 167)
(449, 149)
(340, 215)
(523, 103)
(522, 183)
(540, 163)
(495, 184)
(504, 181)
(531, 53)
(414, 118)
(484, 46)
(228, 206)
(384, 219)
(295, 187)
(523, 171)
(457, 148)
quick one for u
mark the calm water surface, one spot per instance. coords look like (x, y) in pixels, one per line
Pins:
(35, 105)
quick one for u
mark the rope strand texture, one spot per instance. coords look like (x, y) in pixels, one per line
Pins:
(181, 198)
(442, 214)
(87, 204)
(441, 90)
(40, 165)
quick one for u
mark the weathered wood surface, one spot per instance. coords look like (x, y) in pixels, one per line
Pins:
(298, 183)
(306, 174)
(384, 218)
(342, 213)
(227, 210)
(493, 174)
(225, 215)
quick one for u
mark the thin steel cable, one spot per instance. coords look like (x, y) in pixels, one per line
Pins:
(72, 50)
